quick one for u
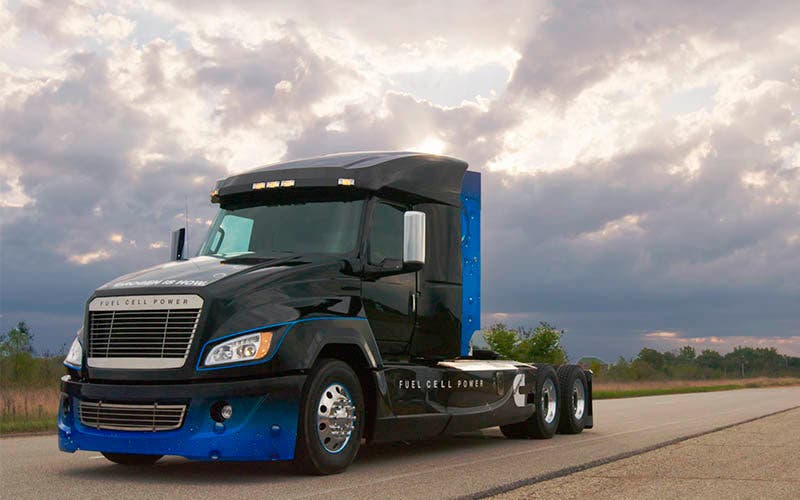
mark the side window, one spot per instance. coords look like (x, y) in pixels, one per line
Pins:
(386, 236)
(235, 235)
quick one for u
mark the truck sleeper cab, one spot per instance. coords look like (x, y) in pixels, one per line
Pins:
(333, 300)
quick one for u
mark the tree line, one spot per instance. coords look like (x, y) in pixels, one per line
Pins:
(542, 344)
(19, 365)
(686, 363)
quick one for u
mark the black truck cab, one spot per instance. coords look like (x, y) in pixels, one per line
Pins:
(333, 299)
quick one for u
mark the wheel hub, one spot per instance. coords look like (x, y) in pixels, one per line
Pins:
(549, 401)
(578, 399)
(336, 418)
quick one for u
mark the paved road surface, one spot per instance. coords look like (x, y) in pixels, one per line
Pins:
(448, 467)
(757, 459)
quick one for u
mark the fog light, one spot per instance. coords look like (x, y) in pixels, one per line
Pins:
(221, 411)
(64, 405)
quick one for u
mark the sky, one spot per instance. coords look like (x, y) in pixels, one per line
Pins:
(640, 160)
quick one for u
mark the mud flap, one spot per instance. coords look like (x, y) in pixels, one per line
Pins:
(589, 398)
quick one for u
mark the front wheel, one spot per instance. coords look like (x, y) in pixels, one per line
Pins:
(544, 422)
(131, 459)
(331, 419)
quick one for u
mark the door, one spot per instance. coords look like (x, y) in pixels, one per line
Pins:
(389, 294)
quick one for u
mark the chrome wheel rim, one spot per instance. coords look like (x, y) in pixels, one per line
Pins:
(336, 418)
(578, 399)
(549, 401)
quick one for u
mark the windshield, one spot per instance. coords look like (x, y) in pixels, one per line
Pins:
(328, 227)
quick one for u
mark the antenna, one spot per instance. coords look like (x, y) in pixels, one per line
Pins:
(186, 220)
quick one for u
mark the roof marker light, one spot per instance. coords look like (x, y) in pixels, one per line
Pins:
(287, 183)
(259, 185)
(347, 182)
(273, 184)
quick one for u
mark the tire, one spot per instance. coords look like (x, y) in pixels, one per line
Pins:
(574, 387)
(131, 459)
(544, 422)
(331, 419)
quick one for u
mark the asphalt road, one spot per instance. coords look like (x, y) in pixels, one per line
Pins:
(757, 459)
(447, 467)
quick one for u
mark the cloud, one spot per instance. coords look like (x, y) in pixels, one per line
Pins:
(641, 162)
(89, 257)
(662, 335)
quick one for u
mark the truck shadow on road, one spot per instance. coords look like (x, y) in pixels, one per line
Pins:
(178, 470)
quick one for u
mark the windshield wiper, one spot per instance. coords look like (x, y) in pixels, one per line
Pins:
(247, 259)
(256, 259)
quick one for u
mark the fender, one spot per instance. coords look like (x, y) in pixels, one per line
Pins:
(305, 338)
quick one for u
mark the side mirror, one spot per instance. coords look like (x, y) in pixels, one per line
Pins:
(413, 241)
(178, 243)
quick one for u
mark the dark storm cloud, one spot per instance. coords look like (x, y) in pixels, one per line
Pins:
(76, 142)
(614, 249)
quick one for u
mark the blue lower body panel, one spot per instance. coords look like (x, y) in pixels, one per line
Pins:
(263, 425)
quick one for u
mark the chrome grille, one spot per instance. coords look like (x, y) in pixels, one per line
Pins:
(142, 332)
(150, 417)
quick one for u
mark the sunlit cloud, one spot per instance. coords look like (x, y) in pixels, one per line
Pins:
(432, 145)
(89, 257)
(662, 335)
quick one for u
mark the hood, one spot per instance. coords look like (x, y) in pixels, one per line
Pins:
(236, 297)
(196, 272)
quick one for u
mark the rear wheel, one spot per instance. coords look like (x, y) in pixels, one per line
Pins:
(573, 399)
(543, 423)
(331, 419)
(131, 459)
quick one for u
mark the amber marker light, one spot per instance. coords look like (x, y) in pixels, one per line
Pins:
(263, 346)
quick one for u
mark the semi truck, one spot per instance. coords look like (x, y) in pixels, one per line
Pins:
(332, 303)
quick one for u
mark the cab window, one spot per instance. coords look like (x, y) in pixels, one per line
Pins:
(386, 235)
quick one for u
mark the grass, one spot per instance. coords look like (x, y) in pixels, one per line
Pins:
(24, 409)
(614, 390)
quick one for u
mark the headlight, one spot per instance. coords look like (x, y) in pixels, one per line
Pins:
(249, 347)
(75, 355)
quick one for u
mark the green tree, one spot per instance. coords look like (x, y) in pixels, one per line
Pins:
(16, 355)
(709, 359)
(642, 370)
(542, 345)
(597, 367)
(687, 354)
(501, 340)
(17, 340)
(652, 357)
